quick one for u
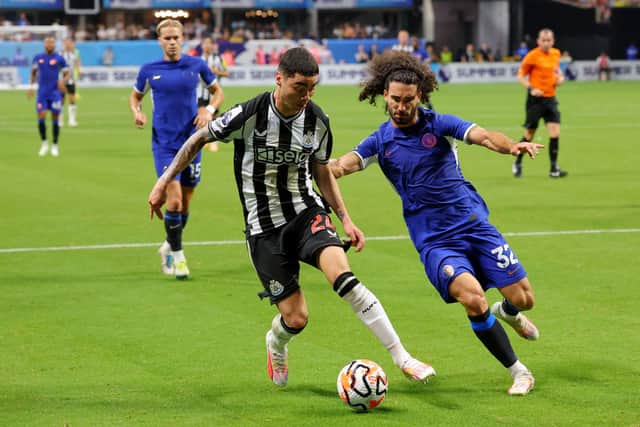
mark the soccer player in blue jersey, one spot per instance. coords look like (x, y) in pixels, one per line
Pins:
(46, 69)
(463, 254)
(173, 81)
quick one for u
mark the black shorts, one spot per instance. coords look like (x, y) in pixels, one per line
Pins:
(202, 102)
(71, 88)
(539, 107)
(276, 255)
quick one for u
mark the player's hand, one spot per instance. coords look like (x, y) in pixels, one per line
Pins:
(62, 87)
(536, 92)
(157, 198)
(529, 148)
(140, 119)
(355, 235)
(202, 118)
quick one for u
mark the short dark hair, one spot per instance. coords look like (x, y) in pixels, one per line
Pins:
(298, 60)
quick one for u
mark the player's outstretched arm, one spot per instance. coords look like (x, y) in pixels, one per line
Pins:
(331, 192)
(185, 155)
(499, 142)
(345, 165)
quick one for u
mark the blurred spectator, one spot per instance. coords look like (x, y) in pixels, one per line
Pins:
(430, 54)
(274, 56)
(604, 67)
(373, 51)
(521, 51)
(468, 54)
(632, 52)
(261, 56)
(228, 57)
(446, 56)
(107, 56)
(485, 54)
(417, 50)
(23, 20)
(19, 59)
(361, 55)
(403, 42)
(326, 57)
(603, 12)
(566, 65)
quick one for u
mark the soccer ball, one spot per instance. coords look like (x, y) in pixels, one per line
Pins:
(362, 384)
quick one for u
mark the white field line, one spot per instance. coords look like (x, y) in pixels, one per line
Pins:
(242, 242)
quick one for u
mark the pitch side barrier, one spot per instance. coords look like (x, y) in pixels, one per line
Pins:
(338, 74)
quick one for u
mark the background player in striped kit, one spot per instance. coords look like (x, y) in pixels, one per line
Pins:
(282, 142)
(173, 81)
(46, 69)
(212, 57)
(72, 57)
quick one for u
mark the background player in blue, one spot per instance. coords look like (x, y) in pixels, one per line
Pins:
(462, 252)
(173, 81)
(46, 69)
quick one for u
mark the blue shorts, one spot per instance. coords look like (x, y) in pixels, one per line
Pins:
(50, 101)
(162, 158)
(480, 250)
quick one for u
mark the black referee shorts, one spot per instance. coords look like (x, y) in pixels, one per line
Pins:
(539, 107)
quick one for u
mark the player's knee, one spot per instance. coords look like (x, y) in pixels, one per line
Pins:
(296, 320)
(473, 301)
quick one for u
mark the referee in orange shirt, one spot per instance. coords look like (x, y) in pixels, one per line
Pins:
(540, 74)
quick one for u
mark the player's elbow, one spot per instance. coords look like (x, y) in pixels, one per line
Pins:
(337, 169)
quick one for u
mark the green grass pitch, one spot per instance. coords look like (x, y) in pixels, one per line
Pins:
(98, 337)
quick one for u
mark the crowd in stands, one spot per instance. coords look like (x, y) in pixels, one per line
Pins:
(239, 32)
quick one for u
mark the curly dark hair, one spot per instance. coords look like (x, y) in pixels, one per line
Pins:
(396, 66)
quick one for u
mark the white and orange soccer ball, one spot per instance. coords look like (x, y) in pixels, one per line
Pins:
(362, 384)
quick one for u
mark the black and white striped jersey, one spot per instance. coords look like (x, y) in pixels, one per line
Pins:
(273, 157)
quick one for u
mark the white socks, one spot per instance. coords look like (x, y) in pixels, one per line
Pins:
(516, 368)
(71, 109)
(280, 336)
(370, 311)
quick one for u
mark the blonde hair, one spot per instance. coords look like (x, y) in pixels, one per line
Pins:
(168, 23)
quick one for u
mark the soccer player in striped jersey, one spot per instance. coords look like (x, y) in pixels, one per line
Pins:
(212, 57)
(72, 57)
(463, 254)
(540, 73)
(46, 69)
(173, 81)
(282, 143)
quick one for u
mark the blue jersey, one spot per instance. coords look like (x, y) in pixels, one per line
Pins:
(421, 161)
(49, 67)
(173, 90)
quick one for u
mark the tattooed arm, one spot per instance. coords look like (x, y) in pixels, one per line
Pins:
(185, 155)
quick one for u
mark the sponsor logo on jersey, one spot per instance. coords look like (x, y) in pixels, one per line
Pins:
(275, 287)
(52, 62)
(278, 156)
(40, 61)
(429, 140)
(307, 140)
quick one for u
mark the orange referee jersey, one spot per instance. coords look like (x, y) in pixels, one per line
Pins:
(541, 67)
